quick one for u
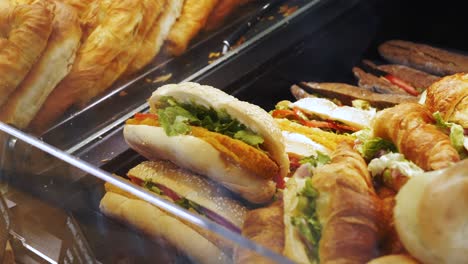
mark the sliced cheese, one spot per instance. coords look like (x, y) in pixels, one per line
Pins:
(326, 109)
(302, 145)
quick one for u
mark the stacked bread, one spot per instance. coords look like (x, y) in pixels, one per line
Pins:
(56, 54)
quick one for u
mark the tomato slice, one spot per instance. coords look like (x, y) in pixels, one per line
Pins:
(143, 116)
(402, 84)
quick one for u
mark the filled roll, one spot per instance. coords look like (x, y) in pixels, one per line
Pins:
(212, 133)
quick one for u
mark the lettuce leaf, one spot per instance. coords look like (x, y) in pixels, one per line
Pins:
(315, 161)
(176, 119)
(306, 220)
(148, 184)
(457, 133)
(371, 145)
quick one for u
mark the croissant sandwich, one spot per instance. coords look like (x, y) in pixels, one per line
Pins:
(186, 189)
(214, 134)
(332, 217)
(411, 128)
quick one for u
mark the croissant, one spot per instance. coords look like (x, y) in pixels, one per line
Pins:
(449, 96)
(51, 68)
(155, 38)
(24, 31)
(222, 10)
(98, 63)
(348, 208)
(191, 21)
(409, 126)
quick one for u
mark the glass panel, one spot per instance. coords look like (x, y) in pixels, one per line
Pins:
(50, 207)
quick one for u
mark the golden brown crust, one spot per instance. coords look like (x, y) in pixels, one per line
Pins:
(24, 31)
(348, 209)
(449, 96)
(54, 64)
(221, 11)
(155, 38)
(409, 127)
(191, 21)
(97, 63)
(264, 226)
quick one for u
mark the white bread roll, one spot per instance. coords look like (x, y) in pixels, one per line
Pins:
(156, 224)
(430, 215)
(252, 116)
(191, 187)
(54, 64)
(198, 156)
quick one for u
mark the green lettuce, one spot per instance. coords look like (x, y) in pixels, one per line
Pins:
(176, 119)
(148, 184)
(371, 145)
(315, 161)
(457, 133)
(306, 220)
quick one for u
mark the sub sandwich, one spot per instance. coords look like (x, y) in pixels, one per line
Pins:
(186, 189)
(331, 216)
(209, 132)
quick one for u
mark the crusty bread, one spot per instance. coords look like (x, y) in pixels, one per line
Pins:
(199, 156)
(24, 31)
(430, 215)
(156, 37)
(449, 96)
(157, 224)
(54, 64)
(252, 116)
(192, 187)
(394, 259)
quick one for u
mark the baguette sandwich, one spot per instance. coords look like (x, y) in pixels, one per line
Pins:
(209, 132)
(190, 191)
(331, 217)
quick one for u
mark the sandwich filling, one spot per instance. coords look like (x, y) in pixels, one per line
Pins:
(172, 196)
(232, 139)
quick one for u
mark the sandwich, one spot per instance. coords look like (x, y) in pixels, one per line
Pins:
(209, 132)
(187, 190)
(331, 216)
(424, 57)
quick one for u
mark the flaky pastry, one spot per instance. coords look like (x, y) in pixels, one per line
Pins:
(24, 31)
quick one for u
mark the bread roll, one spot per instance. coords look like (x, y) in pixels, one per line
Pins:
(191, 21)
(430, 215)
(252, 116)
(409, 126)
(191, 187)
(54, 64)
(199, 156)
(157, 224)
(24, 32)
(449, 96)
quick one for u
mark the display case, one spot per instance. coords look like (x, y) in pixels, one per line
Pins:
(52, 184)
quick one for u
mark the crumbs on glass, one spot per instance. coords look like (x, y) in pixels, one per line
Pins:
(286, 10)
(162, 78)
